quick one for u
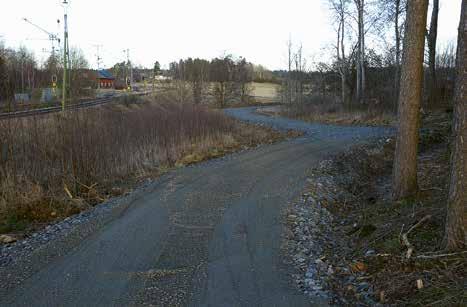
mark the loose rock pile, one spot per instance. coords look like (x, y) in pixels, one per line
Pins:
(314, 245)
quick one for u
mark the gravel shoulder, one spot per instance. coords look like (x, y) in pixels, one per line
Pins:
(343, 234)
(201, 235)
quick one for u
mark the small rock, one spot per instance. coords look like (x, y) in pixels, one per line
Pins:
(289, 234)
(7, 239)
(382, 297)
(117, 191)
(363, 286)
(369, 252)
(317, 288)
(419, 283)
(321, 266)
(292, 217)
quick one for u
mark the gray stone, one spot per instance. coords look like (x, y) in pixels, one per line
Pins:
(369, 252)
(363, 286)
(7, 239)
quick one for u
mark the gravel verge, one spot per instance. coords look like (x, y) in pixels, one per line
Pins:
(310, 235)
(22, 258)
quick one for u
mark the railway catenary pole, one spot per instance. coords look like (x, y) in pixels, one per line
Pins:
(66, 54)
(127, 51)
(98, 59)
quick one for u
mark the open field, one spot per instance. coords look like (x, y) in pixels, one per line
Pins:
(260, 93)
(265, 92)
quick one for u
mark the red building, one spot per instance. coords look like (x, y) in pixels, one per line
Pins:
(105, 79)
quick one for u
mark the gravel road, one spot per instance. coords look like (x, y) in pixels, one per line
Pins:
(206, 235)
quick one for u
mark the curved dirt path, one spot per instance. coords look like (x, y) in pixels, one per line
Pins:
(207, 235)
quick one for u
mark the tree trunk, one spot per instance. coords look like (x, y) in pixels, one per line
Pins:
(432, 36)
(360, 4)
(222, 94)
(362, 55)
(289, 77)
(456, 220)
(398, 52)
(405, 161)
(341, 52)
(343, 61)
(359, 56)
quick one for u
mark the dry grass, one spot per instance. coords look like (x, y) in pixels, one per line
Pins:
(57, 165)
(265, 89)
(330, 112)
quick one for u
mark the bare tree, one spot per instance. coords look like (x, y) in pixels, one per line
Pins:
(340, 10)
(179, 74)
(299, 75)
(360, 5)
(4, 81)
(446, 72)
(456, 207)
(289, 71)
(243, 76)
(397, 33)
(405, 162)
(78, 67)
(431, 37)
(323, 69)
(197, 76)
(396, 14)
(221, 72)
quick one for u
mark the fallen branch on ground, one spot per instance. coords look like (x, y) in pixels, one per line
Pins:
(405, 239)
(440, 255)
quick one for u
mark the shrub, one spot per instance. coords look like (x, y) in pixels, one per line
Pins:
(46, 161)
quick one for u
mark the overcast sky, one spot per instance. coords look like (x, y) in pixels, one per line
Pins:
(167, 30)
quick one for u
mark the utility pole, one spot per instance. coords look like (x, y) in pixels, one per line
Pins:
(22, 72)
(98, 59)
(66, 53)
(127, 51)
(52, 38)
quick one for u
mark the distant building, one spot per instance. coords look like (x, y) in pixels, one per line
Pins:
(105, 79)
(22, 97)
(162, 78)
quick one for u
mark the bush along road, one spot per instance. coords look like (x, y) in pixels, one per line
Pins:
(205, 235)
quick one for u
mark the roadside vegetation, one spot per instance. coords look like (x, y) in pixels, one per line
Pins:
(331, 112)
(399, 207)
(57, 165)
(392, 246)
(365, 86)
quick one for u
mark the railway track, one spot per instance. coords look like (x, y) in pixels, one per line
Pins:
(76, 106)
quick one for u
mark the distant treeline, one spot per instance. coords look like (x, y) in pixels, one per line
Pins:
(224, 78)
(20, 72)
